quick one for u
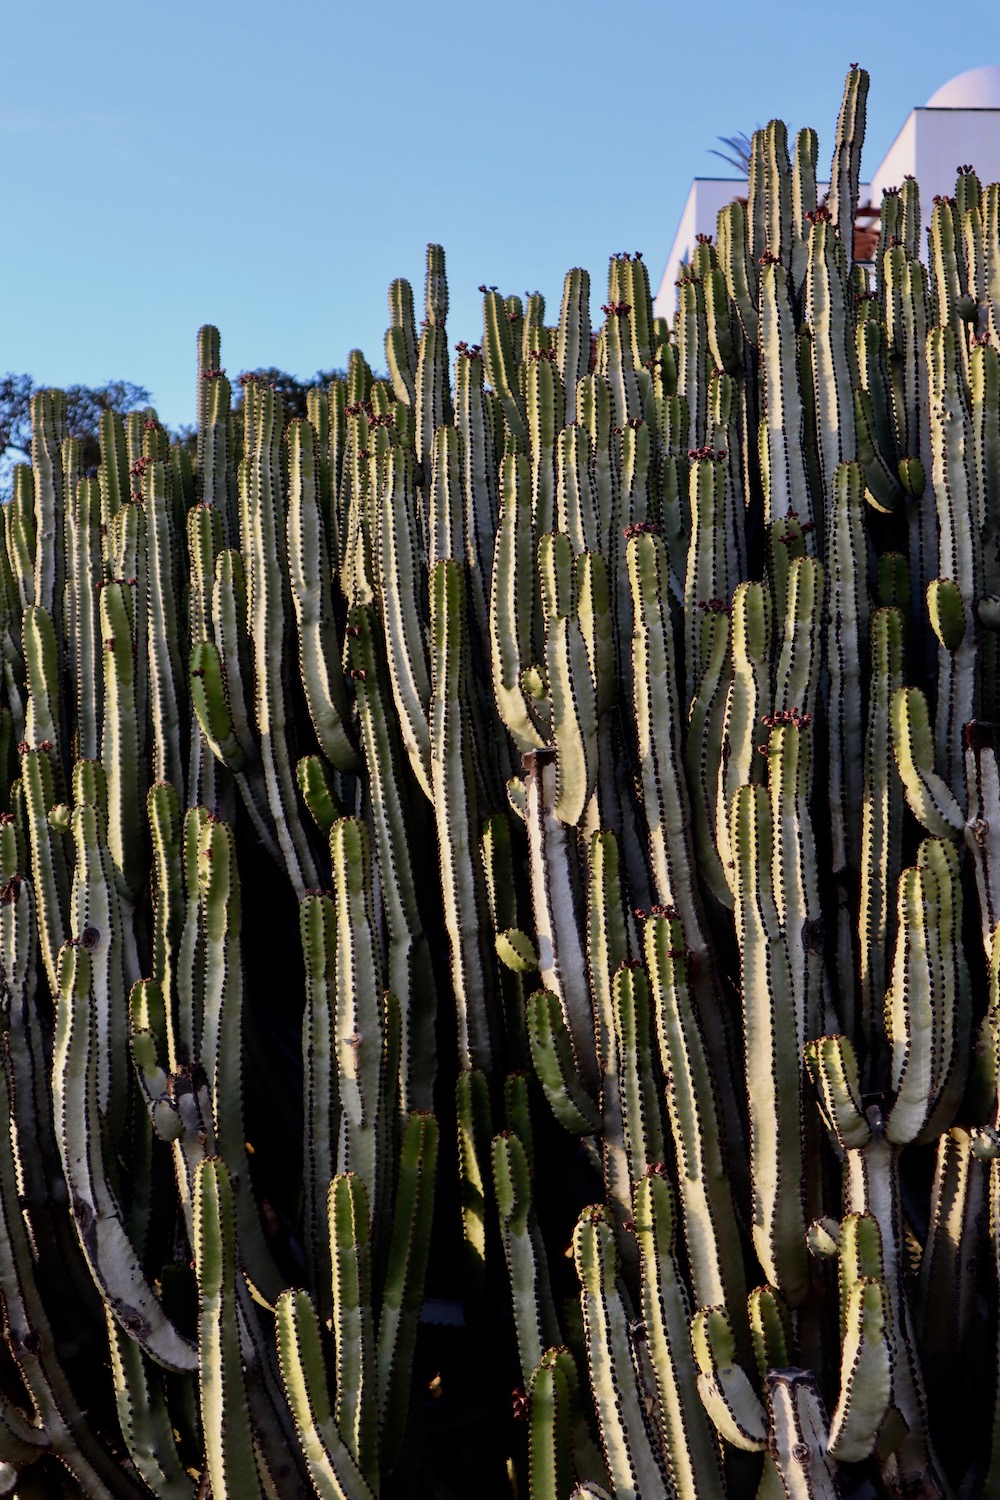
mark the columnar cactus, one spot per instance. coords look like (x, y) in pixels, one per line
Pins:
(594, 751)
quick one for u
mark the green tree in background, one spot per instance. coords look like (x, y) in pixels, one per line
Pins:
(84, 405)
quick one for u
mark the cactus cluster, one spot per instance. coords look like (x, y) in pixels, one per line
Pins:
(579, 764)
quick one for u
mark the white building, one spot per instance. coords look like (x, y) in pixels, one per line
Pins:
(960, 123)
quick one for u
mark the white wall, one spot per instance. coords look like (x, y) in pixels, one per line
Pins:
(930, 146)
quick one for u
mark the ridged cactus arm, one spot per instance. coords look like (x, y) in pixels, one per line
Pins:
(770, 1329)
(216, 462)
(219, 699)
(473, 1129)
(61, 1422)
(49, 864)
(97, 921)
(927, 1004)
(456, 813)
(113, 474)
(833, 1067)
(31, 1138)
(501, 365)
(723, 1384)
(872, 1193)
(48, 429)
(947, 264)
(783, 416)
(556, 1066)
(535, 1321)
(657, 689)
(126, 770)
(410, 974)
(992, 1473)
(693, 354)
(401, 342)
(473, 419)
(550, 1435)
(847, 638)
(433, 390)
(85, 574)
(11, 616)
(571, 684)
(19, 525)
(748, 703)
(711, 1234)
(221, 1043)
(446, 509)
(928, 795)
(190, 961)
(728, 417)
(562, 963)
(800, 658)
(576, 508)
(359, 1020)
(498, 852)
(209, 357)
(204, 542)
(435, 287)
(882, 815)
(833, 354)
(706, 583)
(310, 573)
(228, 1436)
(164, 636)
(573, 336)
(773, 1067)
(332, 1469)
(545, 405)
(691, 1450)
(757, 197)
(724, 338)
(739, 267)
(144, 1417)
(512, 606)
(982, 828)
(960, 560)
(268, 623)
(315, 782)
(795, 874)
(904, 284)
(147, 1050)
(846, 168)
(643, 1126)
(401, 586)
(110, 1256)
(991, 258)
(803, 203)
(355, 1408)
(629, 282)
(212, 707)
(607, 938)
(43, 720)
(984, 381)
(406, 1269)
(320, 1093)
(703, 751)
(798, 1437)
(947, 1299)
(631, 1451)
(614, 356)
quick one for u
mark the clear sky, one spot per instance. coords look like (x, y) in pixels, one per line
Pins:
(270, 168)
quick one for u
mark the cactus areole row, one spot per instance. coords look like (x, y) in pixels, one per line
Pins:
(500, 895)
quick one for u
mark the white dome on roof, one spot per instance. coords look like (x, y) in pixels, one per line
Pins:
(979, 88)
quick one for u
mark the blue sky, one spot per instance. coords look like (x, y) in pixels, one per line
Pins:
(270, 168)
